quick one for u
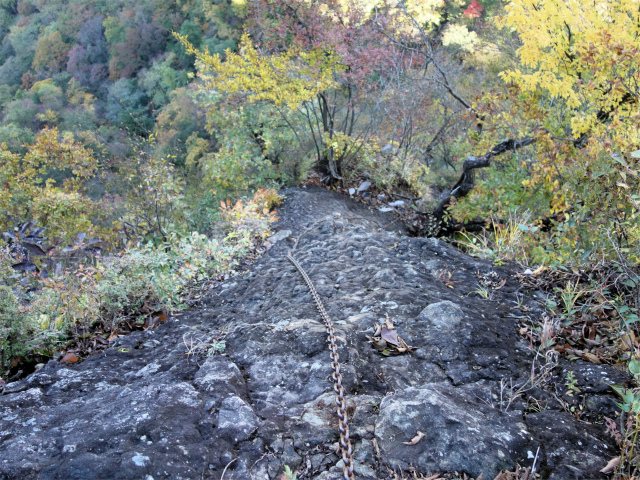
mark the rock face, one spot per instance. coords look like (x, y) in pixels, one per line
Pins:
(146, 410)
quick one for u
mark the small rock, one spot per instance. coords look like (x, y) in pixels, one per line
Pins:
(382, 196)
(364, 186)
(237, 418)
(281, 235)
(387, 149)
(140, 460)
(443, 316)
(352, 191)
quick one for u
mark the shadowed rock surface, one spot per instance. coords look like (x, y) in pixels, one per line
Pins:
(144, 409)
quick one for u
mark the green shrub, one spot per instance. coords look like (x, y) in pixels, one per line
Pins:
(103, 292)
(14, 329)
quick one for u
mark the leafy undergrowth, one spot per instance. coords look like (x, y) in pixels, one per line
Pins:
(592, 313)
(88, 299)
(518, 473)
(593, 316)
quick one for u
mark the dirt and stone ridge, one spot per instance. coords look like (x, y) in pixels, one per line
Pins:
(144, 409)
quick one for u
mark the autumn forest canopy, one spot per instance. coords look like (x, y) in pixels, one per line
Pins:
(220, 98)
(124, 125)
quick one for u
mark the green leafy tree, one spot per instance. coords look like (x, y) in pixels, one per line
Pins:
(162, 79)
(127, 105)
(51, 53)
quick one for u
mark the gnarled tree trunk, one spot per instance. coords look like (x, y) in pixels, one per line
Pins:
(466, 182)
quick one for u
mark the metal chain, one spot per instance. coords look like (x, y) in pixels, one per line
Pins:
(343, 426)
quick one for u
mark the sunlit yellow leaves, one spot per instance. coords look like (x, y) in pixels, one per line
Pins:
(582, 53)
(290, 78)
(425, 11)
(460, 35)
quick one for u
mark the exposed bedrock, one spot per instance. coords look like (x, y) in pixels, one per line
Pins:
(144, 409)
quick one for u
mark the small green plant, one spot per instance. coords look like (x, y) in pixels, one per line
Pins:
(288, 474)
(482, 292)
(571, 383)
(204, 346)
(569, 296)
(503, 241)
(445, 275)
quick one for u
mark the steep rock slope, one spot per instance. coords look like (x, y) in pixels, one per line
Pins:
(145, 409)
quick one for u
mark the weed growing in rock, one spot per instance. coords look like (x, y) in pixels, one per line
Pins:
(204, 346)
(288, 474)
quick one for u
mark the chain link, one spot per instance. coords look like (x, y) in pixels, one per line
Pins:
(343, 426)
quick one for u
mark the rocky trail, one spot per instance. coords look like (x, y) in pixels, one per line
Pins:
(145, 409)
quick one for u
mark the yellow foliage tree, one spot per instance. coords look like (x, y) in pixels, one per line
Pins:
(53, 168)
(287, 79)
(52, 53)
(577, 91)
(584, 54)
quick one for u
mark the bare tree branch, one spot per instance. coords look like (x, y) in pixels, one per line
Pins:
(466, 182)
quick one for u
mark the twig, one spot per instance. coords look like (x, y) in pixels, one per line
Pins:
(225, 468)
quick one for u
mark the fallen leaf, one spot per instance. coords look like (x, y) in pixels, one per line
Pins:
(613, 463)
(389, 324)
(389, 336)
(539, 270)
(591, 358)
(381, 345)
(501, 284)
(70, 357)
(113, 336)
(419, 436)
(374, 442)
(15, 361)
(628, 341)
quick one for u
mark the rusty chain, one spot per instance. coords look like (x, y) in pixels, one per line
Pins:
(343, 426)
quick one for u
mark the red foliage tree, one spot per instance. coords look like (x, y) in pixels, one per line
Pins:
(363, 54)
(474, 10)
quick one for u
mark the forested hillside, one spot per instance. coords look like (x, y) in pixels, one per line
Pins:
(143, 144)
(106, 71)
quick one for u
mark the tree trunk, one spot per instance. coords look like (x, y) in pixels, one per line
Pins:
(466, 182)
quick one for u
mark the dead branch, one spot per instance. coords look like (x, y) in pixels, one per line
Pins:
(466, 181)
